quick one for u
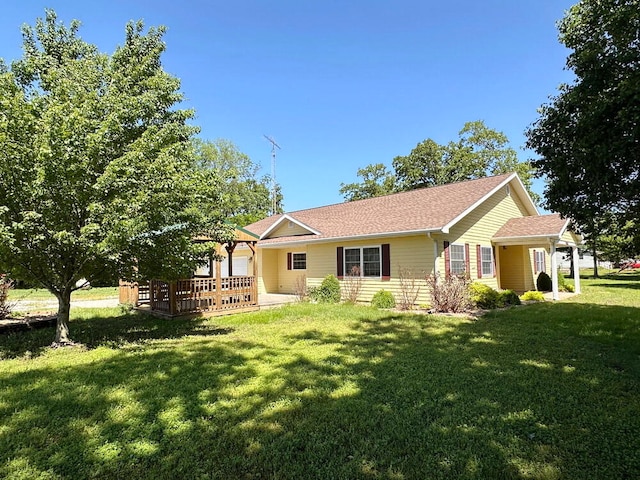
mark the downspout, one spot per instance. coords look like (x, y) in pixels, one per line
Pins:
(435, 253)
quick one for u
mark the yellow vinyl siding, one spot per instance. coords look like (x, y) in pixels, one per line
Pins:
(512, 268)
(267, 271)
(479, 226)
(571, 237)
(413, 252)
(287, 278)
(287, 229)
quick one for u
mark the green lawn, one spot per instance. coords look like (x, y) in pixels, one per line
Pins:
(40, 294)
(541, 391)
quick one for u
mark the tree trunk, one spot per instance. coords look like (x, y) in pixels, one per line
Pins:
(595, 261)
(62, 325)
(571, 263)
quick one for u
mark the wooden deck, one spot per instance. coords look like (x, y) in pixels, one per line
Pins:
(209, 296)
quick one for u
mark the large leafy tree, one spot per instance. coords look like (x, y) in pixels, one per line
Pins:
(245, 197)
(96, 165)
(479, 152)
(588, 136)
(376, 181)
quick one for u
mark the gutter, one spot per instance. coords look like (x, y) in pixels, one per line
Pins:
(404, 233)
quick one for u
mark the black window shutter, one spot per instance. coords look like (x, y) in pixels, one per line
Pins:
(289, 260)
(467, 262)
(386, 262)
(340, 263)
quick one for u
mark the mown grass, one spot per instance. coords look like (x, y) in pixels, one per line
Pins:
(542, 391)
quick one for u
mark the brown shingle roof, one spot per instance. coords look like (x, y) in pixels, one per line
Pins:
(427, 209)
(544, 225)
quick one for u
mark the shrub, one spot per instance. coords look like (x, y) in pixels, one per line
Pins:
(532, 296)
(352, 285)
(409, 289)
(327, 292)
(383, 299)
(6, 284)
(300, 288)
(449, 294)
(507, 298)
(563, 286)
(543, 283)
(483, 296)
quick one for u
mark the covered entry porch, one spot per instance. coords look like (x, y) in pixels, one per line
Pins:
(527, 246)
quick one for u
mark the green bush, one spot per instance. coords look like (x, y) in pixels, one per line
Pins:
(507, 298)
(563, 286)
(532, 296)
(383, 299)
(543, 283)
(327, 292)
(483, 296)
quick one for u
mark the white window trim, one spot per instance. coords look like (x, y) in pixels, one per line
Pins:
(464, 258)
(361, 248)
(293, 263)
(491, 273)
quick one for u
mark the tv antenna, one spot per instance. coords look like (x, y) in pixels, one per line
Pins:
(273, 173)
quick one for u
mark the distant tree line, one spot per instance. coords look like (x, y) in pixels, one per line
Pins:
(479, 152)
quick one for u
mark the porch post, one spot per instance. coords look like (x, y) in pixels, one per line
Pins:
(218, 294)
(554, 272)
(576, 270)
(254, 287)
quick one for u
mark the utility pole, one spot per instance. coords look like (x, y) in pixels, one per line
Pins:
(273, 173)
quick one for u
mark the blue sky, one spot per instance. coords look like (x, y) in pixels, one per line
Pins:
(338, 84)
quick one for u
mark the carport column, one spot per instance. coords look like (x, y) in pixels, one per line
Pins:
(576, 270)
(554, 272)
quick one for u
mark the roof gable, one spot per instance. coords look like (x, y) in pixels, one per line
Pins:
(542, 226)
(283, 220)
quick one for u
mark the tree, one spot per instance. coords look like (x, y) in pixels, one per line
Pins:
(618, 243)
(96, 167)
(479, 152)
(245, 198)
(587, 137)
(376, 181)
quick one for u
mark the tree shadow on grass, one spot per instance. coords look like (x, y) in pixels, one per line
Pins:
(92, 330)
(523, 393)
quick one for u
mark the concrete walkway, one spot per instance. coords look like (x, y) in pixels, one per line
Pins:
(548, 296)
(267, 300)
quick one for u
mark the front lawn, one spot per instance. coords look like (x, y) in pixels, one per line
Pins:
(312, 391)
(41, 294)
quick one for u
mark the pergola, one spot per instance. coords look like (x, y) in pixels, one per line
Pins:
(216, 294)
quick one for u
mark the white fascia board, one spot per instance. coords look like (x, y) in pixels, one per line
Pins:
(369, 236)
(287, 218)
(578, 236)
(529, 239)
(529, 205)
